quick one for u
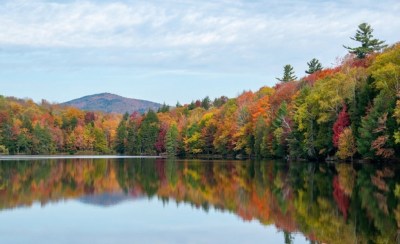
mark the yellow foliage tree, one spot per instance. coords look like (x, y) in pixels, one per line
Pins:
(347, 145)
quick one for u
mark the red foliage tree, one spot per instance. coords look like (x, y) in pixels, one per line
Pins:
(4, 116)
(245, 98)
(283, 92)
(136, 117)
(160, 143)
(89, 117)
(352, 61)
(321, 74)
(341, 123)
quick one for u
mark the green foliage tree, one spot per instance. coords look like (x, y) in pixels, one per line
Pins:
(148, 132)
(368, 43)
(288, 74)
(364, 96)
(260, 132)
(171, 140)
(206, 103)
(121, 138)
(194, 143)
(133, 144)
(3, 150)
(397, 116)
(376, 127)
(208, 133)
(313, 66)
(70, 143)
(88, 137)
(24, 142)
(69, 124)
(218, 102)
(100, 141)
(164, 108)
(192, 105)
(279, 127)
(27, 124)
(42, 142)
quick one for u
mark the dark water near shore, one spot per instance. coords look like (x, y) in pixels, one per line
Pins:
(151, 200)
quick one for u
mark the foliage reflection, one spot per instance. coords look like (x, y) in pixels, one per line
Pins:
(359, 204)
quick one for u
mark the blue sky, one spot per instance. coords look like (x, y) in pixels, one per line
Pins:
(165, 51)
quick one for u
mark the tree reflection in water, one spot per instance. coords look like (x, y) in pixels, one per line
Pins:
(327, 203)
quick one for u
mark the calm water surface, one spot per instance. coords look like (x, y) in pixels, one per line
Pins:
(150, 200)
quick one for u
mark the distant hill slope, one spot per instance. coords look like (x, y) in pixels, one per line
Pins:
(111, 103)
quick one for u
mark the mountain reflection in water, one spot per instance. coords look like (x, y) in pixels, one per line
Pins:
(327, 203)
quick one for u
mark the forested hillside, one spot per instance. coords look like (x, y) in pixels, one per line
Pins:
(351, 110)
(30, 128)
(348, 111)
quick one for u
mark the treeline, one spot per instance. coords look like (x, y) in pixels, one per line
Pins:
(30, 128)
(351, 110)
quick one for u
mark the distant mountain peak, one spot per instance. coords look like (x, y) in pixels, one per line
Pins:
(112, 103)
(103, 94)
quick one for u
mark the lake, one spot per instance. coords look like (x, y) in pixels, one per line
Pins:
(152, 200)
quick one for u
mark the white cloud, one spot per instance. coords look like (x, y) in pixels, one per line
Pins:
(143, 24)
(211, 34)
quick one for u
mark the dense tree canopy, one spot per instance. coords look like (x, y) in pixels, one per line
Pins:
(30, 128)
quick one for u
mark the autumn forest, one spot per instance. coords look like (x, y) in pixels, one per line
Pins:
(349, 111)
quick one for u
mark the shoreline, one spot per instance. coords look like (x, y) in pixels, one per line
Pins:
(27, 157)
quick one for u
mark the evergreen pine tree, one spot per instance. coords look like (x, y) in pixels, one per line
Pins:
(206, 103)
(133, 144)
(148, 132)
(121, 138)
(288, 74)
(313, 66)
(368, 44)
(163, 109)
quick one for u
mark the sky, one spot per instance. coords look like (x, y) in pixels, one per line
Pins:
(177, 50)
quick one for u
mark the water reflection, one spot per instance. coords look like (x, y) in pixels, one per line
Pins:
(327, 203)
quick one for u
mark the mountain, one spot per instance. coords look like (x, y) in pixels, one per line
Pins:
(111, 103)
